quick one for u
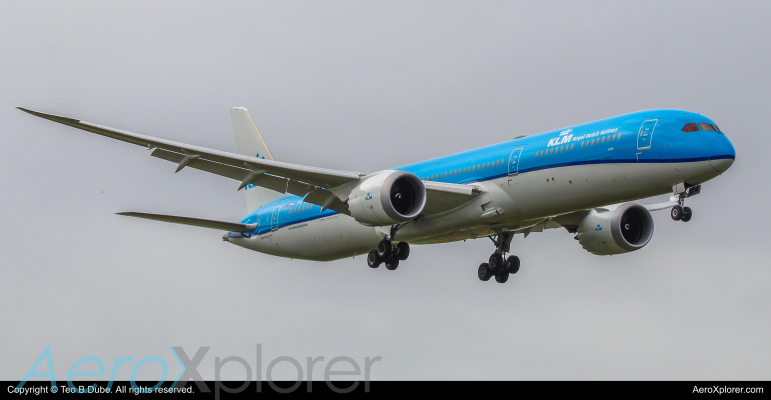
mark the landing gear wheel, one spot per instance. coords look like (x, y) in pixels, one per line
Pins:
(392, 264)
(502, 277)
(676, 213)
(373, 260)
(403, 250)
(384, 249)
(496, 262)
(484, 273)
(512, 264)
(687, 214)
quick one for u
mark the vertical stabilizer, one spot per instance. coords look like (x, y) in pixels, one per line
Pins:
(249, 142)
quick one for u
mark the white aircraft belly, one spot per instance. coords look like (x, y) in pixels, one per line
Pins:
(323, 239)
(520, 199)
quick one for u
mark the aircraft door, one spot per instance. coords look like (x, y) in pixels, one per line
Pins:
(274, 218)
(514, 161)
(645, 136)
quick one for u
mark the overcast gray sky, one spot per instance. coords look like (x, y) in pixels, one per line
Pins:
(365, 86)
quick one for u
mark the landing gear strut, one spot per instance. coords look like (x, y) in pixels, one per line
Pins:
(389, 253)
(497, 265)
(680, 212)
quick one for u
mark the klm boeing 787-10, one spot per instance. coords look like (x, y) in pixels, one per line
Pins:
(583, 178)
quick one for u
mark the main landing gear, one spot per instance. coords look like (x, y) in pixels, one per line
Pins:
(680, 212)
(496, 266)
(389, 253)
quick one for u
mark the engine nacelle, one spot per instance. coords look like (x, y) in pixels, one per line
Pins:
(627, 228)
(387, 198)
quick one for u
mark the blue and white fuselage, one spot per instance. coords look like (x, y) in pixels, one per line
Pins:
(523, 182)
(583, 178)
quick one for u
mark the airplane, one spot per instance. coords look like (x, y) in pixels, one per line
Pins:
(583, 178)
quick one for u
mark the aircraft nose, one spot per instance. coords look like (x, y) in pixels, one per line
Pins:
(721, 153)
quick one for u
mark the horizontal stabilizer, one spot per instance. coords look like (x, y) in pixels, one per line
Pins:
(205, 223)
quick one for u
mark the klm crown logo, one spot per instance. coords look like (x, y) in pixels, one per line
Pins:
(598, 228)
(369, 196)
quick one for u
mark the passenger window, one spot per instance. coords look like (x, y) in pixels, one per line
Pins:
(692, 127)
(706, 127)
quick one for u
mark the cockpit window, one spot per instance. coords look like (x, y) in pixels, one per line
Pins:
(706, 127)
(717, 127)
(690, 127)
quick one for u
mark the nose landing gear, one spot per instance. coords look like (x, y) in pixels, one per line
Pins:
(496, 266)
(680, 212)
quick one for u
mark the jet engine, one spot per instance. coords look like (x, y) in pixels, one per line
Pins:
(387, 198)
(605, 231)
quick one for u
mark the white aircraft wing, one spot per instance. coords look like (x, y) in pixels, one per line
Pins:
(441, 197)
(662, 206)
(280, 176)
(570, 221)
(276, 175)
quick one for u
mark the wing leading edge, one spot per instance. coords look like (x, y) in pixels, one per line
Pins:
(276, 175)
(309, 182)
